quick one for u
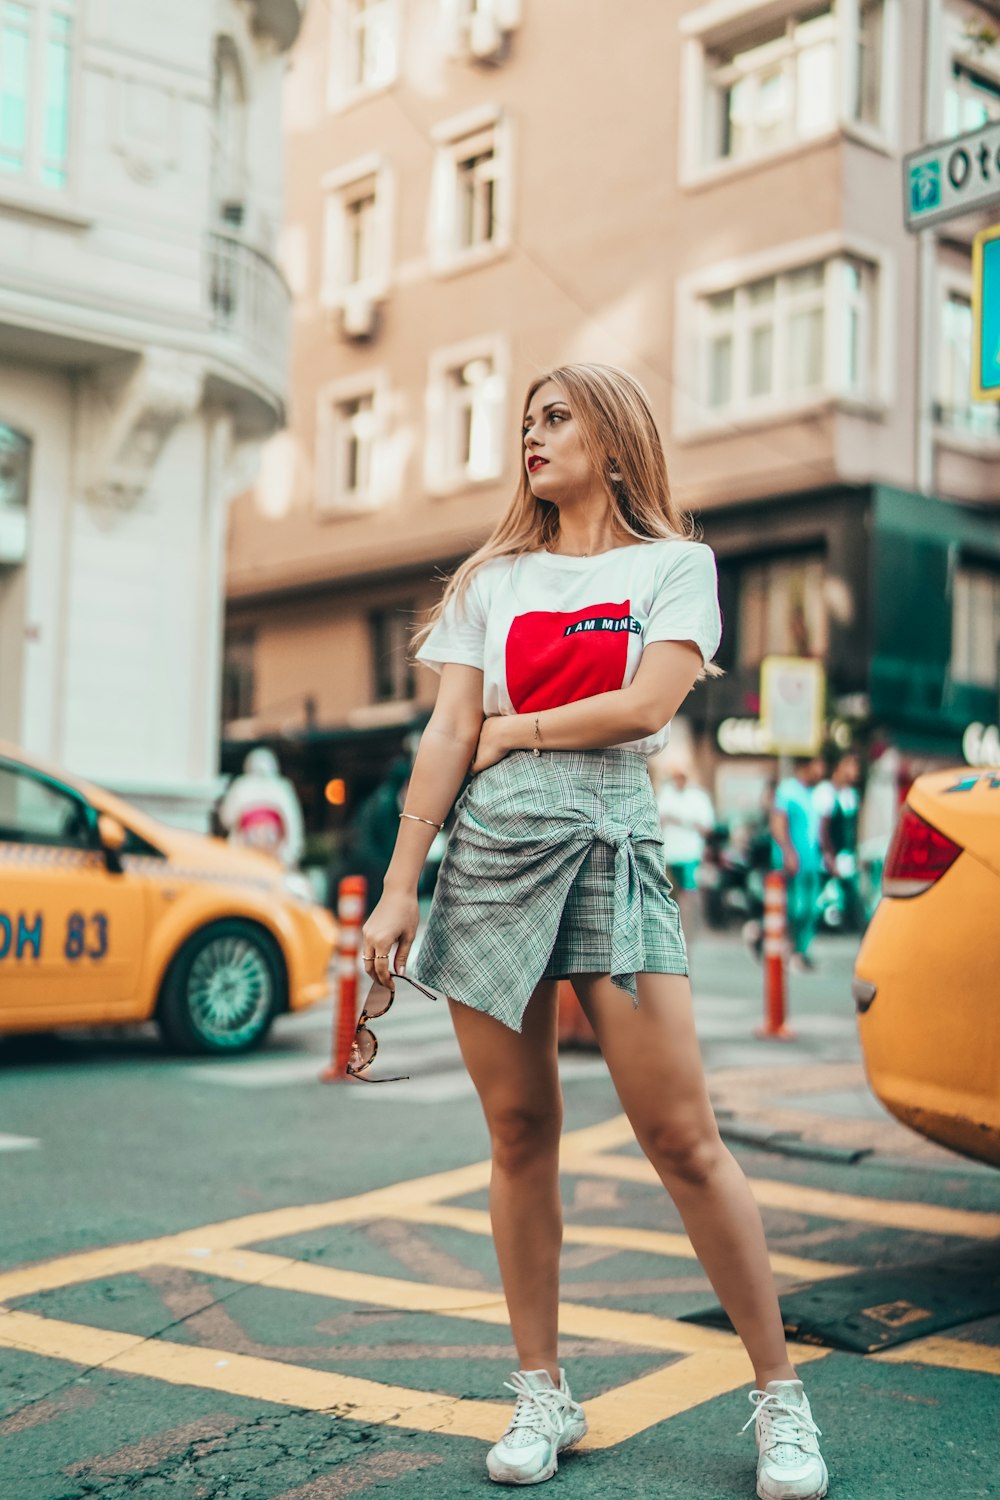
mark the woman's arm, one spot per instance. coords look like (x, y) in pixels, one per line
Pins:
(666, 674)
(441, 765)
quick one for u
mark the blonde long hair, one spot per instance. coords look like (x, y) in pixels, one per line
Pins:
(619, 435)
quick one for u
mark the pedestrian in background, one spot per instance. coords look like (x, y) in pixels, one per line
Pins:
(554, 870)
(839, 802)
(261, 809)
(798, 853)
(687, 817)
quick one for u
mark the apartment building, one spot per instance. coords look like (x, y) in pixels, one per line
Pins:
(144, 335)
(709, 195)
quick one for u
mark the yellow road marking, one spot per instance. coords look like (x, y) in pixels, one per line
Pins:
(650, 1241)
(711, 1362)
(612, 1324)
(257, 1379)
(893, 1213)
(952, 1354)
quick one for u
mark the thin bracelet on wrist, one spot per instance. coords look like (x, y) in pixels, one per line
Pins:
(429, 821)
(537, 738)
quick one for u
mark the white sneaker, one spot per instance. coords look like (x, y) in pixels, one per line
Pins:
(546, 1420)
(789, 1464)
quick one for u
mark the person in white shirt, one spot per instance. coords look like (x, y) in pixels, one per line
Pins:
(565, 645)
(261, 809)
(687, 817)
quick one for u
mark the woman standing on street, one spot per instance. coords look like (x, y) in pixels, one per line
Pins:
(565, 645)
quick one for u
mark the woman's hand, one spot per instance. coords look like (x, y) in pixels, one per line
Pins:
(494, 742)
(393, 924)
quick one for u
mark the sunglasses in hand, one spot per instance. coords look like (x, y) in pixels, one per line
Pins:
(365, 1047)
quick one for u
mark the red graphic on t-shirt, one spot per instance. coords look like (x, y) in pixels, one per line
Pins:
(546, 666)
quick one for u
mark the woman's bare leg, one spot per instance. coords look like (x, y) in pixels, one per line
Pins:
(655, 1063)
(517, 1079)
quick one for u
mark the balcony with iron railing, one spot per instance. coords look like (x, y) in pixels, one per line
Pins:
(249, 306)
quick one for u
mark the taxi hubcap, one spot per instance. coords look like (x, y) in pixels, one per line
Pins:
(229, 990)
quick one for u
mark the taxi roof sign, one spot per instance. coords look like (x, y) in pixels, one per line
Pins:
(986, 315)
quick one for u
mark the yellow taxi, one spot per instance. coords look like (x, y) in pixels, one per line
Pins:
(926, 976)
(107, 916)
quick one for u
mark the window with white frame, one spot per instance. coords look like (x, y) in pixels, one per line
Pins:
(472, 193)
(228, 163)
(975, 624)
(782, 611)
(789, 336)
(866, 83)
(771, 83)
(364, 43)
(774, 86)
(348, 447)
(466, 405)
(36, 66)
(971, 99)
(390, 630)
(356, 252)
(954, 406)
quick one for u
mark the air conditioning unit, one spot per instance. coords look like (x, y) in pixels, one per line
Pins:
(486, 38)
(507, 14)
(359, 315)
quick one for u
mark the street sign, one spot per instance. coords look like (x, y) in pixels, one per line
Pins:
(792, 694)
(986, 315)
(952, 178)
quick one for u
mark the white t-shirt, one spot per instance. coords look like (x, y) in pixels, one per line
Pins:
(684, 812)
(547, 630)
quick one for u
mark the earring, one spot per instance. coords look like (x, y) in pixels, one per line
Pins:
(614, 476)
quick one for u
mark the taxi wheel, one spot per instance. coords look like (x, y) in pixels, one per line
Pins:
(222, 990)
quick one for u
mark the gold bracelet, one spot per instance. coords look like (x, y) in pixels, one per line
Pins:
(430, 824)
(538, 737)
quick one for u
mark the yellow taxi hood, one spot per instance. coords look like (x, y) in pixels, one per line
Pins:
(965, 806)
(180, 845)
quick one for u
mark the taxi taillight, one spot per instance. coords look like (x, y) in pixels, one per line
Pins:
(918, 855)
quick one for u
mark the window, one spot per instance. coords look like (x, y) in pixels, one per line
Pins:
(971, 99)
(357, 251)
(364, 38)
(775, 87)
(466, 407)
(36, 62)
(350, 450)
(955, 408)
(15, 462)
(781, 609)
(15, 469)
(38, 811)
(229, 175)
(238, 673)
(867, 80)
(975, 630)
(754, 86)
(795, 334)
(392, 669)
(472, 193)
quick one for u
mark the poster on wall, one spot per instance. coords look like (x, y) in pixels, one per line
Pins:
(792, 703)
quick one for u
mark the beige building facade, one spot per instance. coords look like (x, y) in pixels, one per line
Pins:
(144, 334)
(708, 195)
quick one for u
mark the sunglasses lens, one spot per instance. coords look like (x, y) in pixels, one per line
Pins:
(378, 1000)
(362, 1051)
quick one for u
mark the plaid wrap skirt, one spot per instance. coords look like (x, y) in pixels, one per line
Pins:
(554, 867)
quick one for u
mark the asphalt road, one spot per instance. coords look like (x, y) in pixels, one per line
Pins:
(227, 1279)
